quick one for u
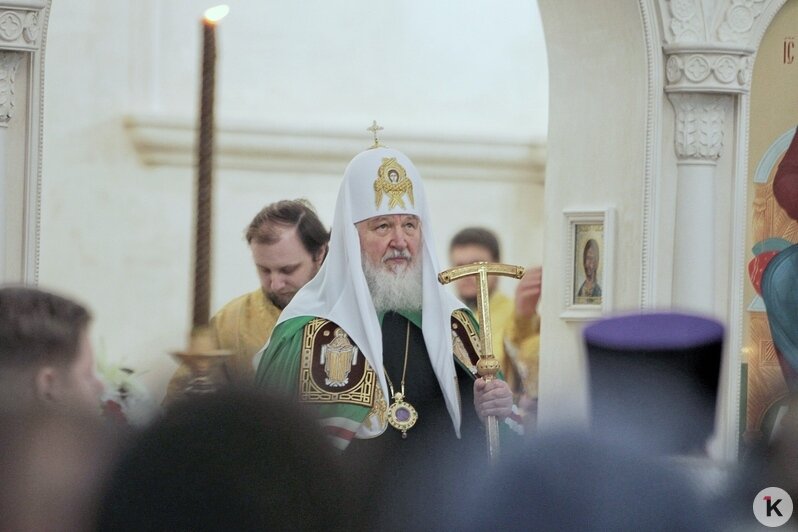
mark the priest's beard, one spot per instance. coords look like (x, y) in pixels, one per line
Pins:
(280, 300)
(396, 289)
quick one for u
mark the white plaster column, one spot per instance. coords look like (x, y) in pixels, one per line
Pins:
(698, 143)
(9, 62)
(703, 81)
(709, 54)
(23, 25)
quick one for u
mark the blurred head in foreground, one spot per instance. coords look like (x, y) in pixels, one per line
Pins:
(46, 357)
(572, 482)
(232, 460)
(52, 467)
(654, 379)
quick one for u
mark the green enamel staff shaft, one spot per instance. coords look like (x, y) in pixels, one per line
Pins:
(488, 366)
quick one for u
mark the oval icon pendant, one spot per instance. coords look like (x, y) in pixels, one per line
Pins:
(401, 414)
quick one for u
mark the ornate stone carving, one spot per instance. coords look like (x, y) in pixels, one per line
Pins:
(694, 21)
(674, 68)
(20, 27)
(726, 68)
(685, 23)
(739, 20)
(699, 125)
(713, 70)
(11, 25)
(744, 74)
(9, 61)
(30, 30)
(709, 45)
(697, 68)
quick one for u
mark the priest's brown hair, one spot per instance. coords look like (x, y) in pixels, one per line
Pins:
(267, 225)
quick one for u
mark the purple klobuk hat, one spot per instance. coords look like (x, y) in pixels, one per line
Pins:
(654, 379)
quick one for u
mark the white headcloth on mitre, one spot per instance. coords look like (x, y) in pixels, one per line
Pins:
(339, 291)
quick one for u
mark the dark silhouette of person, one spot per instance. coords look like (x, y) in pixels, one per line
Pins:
(233, 460)
(573, 482)
(653, 379)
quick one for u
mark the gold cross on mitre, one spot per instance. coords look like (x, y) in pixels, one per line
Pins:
(374, 129)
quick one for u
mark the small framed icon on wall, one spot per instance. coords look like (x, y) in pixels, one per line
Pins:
(589, 256)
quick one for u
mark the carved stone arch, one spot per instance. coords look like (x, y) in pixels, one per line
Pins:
(764, 21)
(734, 24)
(652, 269)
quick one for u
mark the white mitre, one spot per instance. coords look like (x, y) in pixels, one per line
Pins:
(380, 181)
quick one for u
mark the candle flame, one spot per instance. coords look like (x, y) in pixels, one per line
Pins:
(217, 13)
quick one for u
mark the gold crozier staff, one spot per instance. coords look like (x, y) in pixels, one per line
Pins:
(487, 366)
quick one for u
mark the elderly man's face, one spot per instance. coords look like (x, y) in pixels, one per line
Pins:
(390, 242)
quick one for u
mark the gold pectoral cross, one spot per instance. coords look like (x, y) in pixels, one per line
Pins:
(488, 366)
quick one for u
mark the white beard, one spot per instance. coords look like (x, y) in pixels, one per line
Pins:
(395, 290)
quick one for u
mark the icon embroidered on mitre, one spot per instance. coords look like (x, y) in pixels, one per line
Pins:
(392, 180)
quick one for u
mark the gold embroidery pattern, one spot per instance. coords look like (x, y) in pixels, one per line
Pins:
(338, 357)
(461, 353)
(473, 335)
(392, 180)
(360, 392)
(460, 350)
(380, 409)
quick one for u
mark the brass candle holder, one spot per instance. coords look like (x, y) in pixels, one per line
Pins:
(203, 358)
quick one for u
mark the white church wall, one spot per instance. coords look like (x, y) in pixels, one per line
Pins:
(416, 67)
(116, 231)
(596, 149)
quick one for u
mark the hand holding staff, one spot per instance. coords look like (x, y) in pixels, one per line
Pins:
(488, 366)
